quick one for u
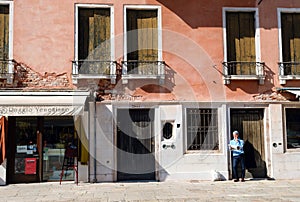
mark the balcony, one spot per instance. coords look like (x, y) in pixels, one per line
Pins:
(288, 71)
(137, 69)
(239, 70)
(94, 69)
(6, 71)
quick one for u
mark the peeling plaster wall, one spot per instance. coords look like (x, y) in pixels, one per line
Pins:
(27, 78)
(44, 31)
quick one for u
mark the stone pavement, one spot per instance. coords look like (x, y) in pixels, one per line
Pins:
(251, 190)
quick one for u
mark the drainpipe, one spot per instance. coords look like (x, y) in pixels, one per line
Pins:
(95, 137)
(89, 144)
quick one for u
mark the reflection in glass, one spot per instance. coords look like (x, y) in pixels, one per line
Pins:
(58, 133)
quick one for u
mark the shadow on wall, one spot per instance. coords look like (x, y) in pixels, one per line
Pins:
(204, 9)
(138, 87)
(167, 87)
(254, 164)
(253, 86)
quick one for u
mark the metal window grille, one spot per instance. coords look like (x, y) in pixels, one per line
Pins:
(202, 129)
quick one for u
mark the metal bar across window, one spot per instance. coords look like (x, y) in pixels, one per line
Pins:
(92, 66)
(144, 67)
(245, 67)
(289, 68)
(202, 129)
(4, 66)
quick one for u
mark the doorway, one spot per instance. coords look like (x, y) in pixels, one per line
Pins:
(37, 147)
(249, 123)
(135, 143)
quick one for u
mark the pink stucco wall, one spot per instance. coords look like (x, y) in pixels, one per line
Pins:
(44, 40)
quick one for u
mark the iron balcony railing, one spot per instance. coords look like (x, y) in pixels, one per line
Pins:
(93, 67)
(289, 68)
(145, 68)
(243, 68)
(7, 70)
(5, 66)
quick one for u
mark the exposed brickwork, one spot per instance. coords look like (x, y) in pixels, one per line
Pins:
(25, 77)
(274, 96)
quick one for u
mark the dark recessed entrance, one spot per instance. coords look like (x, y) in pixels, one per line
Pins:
(135, 142)
(250, 124)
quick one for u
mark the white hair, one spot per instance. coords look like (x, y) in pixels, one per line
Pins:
(235, 132)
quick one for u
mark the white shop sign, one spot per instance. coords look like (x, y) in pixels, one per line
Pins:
(40, 110)
(22, 149)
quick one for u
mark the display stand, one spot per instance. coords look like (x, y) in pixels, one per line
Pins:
(70, 162)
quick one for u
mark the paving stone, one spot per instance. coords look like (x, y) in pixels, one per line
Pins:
(254, 190)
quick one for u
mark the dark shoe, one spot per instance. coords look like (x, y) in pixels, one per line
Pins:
(236, 180)
(242, 180)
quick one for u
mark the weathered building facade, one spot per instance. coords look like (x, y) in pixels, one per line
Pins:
(149, 90)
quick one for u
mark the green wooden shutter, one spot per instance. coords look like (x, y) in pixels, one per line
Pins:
(4, 37)
(241, 41)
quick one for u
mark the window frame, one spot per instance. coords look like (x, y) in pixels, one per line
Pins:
(285, 129)
(283, 78)
(218, 122)
(260, 76)
(75, 73)
(160, 75)
(10, 4)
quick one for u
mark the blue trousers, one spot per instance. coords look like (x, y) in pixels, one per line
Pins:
(235, 162)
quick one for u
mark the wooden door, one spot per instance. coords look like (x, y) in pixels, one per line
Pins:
(249, 123)
(135, 143)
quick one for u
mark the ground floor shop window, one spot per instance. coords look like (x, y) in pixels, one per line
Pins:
(202, 129)
(293, 128)
(38, 147)
(58, 134)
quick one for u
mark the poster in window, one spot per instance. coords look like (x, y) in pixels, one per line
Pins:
(30, 166)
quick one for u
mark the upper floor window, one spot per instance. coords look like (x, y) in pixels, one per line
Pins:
(142, 40)
(202, 129)
(241, 50)
(94, 47)
(289, 65)
(6, 61)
